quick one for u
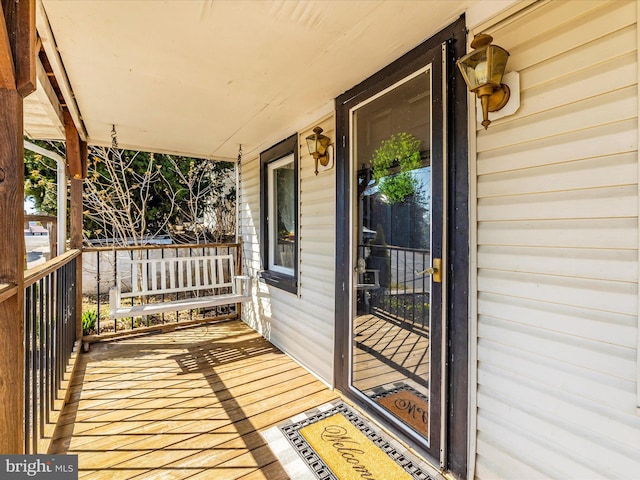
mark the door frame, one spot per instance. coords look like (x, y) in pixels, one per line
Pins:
(454, 437)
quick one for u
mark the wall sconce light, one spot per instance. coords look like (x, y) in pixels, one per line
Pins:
(318, 145)
(482, 70)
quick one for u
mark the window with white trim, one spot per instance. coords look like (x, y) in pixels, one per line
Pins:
(282, 215)
(279, 223)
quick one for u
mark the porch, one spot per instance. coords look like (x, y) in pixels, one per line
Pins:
(538, 360)
(172, 396)
(187, 403)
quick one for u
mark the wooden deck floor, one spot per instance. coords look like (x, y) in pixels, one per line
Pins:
(185, 404)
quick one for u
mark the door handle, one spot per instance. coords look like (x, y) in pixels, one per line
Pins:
(435, 270)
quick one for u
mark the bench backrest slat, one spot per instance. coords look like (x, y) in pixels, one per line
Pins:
(206, 271)
(154, 276)
(172, 277)
(143, 286)
(175, 274)
(179, 265)
(219, 272)
(199, 273)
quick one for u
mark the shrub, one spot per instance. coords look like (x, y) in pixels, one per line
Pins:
(89, 319)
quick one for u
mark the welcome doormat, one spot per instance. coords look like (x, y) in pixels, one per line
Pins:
(332, 442)
(406, 403)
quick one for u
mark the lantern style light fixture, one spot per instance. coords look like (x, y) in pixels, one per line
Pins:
(482, 70)
(318, 145)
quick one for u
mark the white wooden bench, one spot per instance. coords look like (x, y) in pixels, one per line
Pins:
(149, 279)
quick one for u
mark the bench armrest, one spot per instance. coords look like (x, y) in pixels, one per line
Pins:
(242, 286)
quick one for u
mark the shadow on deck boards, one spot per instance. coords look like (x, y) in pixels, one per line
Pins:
(183, 404)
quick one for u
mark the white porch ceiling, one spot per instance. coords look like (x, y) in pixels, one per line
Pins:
(198, 78)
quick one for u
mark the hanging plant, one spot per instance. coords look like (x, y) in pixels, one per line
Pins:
(400, 150)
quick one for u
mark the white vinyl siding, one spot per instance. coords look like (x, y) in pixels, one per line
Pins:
(557, 250)
(300, 325)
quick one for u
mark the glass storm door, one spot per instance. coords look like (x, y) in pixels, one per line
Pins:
(396, 251)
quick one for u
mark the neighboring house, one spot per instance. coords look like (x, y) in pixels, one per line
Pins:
(522, 359)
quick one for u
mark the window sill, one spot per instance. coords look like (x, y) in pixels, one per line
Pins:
(279, 280)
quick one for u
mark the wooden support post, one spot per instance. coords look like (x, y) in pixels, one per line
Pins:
(11, 271)
(76, 214)
(84, 158)
(76, 164)
(76, 150)
(17, 79)
(53, 239)
(76, 242)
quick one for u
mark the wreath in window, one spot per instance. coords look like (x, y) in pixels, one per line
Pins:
(400, 151)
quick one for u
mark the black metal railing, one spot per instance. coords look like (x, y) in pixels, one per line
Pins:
(394, 282)
(49, 338)
(100, 273)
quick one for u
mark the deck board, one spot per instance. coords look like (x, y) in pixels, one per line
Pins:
(183, 404)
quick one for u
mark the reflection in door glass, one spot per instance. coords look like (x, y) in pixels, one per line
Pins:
(390, 351)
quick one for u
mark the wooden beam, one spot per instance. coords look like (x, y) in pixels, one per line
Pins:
(7, 70)
(25, 53)
(20, 25)
(74, 150)
(12, 257)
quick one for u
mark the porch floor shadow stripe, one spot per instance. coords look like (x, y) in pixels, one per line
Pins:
(212, 409)
(183, 404)
(237, 374)
(171, 407)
